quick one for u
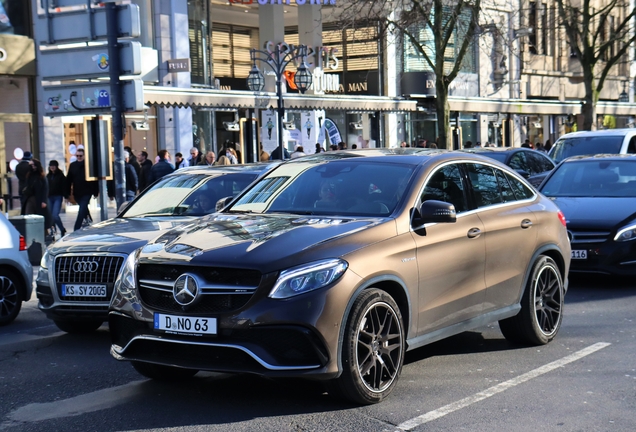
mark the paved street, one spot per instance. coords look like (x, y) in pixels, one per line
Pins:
(584, 381)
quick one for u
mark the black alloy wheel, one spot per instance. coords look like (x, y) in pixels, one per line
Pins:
(10, 297)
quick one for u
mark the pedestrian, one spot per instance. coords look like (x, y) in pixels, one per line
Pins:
(56, 181)
(526, 144)
(195, 157)
(421, 143)
(478, 144)
(223, 160)
(539, 147)
(468, 144)
(299, 152)
(179, 161)
(80, 188)
(333, 147)
(133, 160)
(237, 153)
(144, 173)
(264, 156)
(342, 145)
(132, 182)
(232, 156)
(319, 148)
(547, 146)
(161, 168)
(354, 146)
(403, 144)
(21, 171)
(432, 146)
(209, 160)
(36, 193)
(276, 154)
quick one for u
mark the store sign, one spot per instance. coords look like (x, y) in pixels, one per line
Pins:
(285, 2)
(323, 57)
(179, 65)
(323, 82)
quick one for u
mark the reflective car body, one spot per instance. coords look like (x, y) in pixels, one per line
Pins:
(610, 141)
(533, 165)
(597, 195)
(337, 260)
(16, 273)
(76, 278)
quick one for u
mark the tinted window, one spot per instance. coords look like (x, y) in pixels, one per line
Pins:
(535, 165)
(518, 161)
(546, 162)
(507, 193)
(521, 190)
(631, 148)
(585, 145)
(593, 178)
(446, 185)
(485, 185)
(190, 194)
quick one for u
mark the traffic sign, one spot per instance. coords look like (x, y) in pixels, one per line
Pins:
(88, 62)
(86, 24)
(92, 98)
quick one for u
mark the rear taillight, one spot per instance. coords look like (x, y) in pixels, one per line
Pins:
(23, 245)
(562, 218)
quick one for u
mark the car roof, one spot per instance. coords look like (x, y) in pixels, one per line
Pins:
(604, 156)
(495, 149)
(251, 168)
(604, 132)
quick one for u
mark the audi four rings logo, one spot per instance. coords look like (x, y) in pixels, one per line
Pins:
(85, 266)
(185, 290)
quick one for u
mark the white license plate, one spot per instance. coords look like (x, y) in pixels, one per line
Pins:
(82, 290)
(183, 324)
(579, 254)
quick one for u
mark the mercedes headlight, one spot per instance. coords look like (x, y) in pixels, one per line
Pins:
(626, 234)
(125, 283)
(308, 277)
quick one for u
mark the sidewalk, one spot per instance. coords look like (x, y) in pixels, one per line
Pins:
(70, 215)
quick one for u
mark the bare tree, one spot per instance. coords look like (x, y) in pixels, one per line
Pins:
(600, 35)
(441, 31)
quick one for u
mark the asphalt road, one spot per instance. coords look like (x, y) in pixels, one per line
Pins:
(585, 380)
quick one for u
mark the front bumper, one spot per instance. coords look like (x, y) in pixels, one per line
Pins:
(609, 257)
(298, 336)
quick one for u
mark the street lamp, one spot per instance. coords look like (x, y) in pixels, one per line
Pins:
(624, 97)
(278, 61)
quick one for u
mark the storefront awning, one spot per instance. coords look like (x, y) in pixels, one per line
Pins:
(616, 108)
(514, 106)
(176, 97)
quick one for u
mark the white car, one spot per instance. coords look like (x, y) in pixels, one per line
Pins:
(16, 273)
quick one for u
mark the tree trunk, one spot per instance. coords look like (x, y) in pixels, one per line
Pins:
(442, 108)
(588, 110)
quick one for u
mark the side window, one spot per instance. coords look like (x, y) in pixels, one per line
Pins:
(506, 190)
(631, 148)
(534, 162)
(485, 185)
(521, 190)
(446, 185)
(518, 161)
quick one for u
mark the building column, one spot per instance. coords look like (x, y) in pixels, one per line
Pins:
(172, 42)
(271, 26)
(393, 128)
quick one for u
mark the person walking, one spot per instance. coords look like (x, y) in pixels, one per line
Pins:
(299, 152)
(36, 193)
(133, 160)
(131, 178)
(81, 189)
(195, 157)
(275, 155)
(56, 180)
(210, 157)
(161, 168)
(179, 161)
(21, 172)
(144, 173)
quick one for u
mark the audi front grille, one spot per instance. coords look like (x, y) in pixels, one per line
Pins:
(87, 269)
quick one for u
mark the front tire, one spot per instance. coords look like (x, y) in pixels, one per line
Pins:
(373, 350)
(10, 297)
(78, 327)
(163, 373)
(541, 313)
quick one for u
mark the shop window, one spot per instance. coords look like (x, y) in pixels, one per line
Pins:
(231, 47)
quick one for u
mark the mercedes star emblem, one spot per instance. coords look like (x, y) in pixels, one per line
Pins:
(185, 290)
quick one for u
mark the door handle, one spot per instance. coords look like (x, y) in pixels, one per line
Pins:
(474, 233)
(526, 223)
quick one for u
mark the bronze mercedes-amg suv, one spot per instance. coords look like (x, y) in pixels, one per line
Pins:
(332, 266)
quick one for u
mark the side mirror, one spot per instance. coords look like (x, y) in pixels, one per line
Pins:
(523, 173)
(220, 204)
(434, 211)
(123, 206)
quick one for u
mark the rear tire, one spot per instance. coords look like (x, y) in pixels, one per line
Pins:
(78, 327)
(373, 350)
(541, 313)
(10, 296)
(163, 373)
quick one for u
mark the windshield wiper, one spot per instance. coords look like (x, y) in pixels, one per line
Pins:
(296, 212)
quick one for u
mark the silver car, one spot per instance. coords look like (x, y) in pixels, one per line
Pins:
(16, 273)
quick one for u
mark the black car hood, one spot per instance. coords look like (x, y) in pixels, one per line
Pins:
(265, 242)
(117, 235)
(596, 213)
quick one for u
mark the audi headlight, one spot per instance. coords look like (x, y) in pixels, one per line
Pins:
(125, 282)
(308, 277)
(626, 234)
(44, 262)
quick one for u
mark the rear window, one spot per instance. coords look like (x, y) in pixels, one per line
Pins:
(585, 145)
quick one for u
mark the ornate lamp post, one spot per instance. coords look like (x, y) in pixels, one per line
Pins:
(278, 61)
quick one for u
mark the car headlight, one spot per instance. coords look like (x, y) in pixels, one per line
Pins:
(125, 283)
(626, 234)
(308, 277)
(44, 262)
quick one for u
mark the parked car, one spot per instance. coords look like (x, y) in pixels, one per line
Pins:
(597, 195)
(610, 141)
(16, 273)
(533, 165)
(77, 273)
(332, 265)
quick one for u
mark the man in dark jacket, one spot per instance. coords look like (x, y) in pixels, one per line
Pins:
(131, 178)
(161, 168)
(144, 172)
(57, 184)
(276, 154)
(82, 189)
(133, 160)
(21, 170)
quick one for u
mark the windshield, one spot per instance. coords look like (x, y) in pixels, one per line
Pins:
(352, 186)
(193, 194)
(593, 178)
(585, 145)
